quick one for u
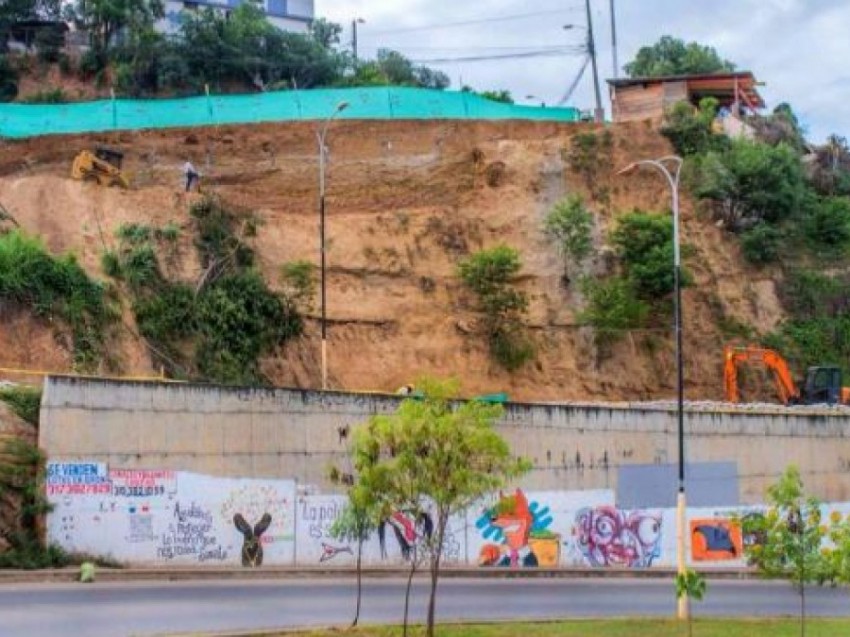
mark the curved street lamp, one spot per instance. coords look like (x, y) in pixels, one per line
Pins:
(321, 135)
(664, 166)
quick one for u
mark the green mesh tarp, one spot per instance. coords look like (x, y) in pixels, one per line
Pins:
(22, 120)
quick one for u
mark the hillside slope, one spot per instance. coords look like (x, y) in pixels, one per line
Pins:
(406, 201)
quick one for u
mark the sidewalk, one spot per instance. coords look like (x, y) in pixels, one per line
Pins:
(135, 574)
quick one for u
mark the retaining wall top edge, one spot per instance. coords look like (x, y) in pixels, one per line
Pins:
(56, 384)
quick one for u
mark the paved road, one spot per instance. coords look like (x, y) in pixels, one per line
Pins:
(148, 608)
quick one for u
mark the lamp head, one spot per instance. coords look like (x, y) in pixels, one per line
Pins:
(628, 169)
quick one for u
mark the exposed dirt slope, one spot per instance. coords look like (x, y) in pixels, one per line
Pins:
(406, 201)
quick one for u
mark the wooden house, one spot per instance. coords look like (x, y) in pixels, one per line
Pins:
(642, 98)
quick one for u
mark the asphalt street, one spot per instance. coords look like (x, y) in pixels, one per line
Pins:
(153, 608)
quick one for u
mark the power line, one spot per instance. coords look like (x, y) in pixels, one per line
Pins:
(504, 56)
(450, 25)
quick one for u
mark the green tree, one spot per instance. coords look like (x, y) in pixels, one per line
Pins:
(692, 585)
(828, 223)
(502, 95)
(761, 244)
(750, 182)
(570, 223)
(790, 536)
(355, 524)
(433, 453)
(671, 56)
(104, 19)
(489, 275)
(12, 11)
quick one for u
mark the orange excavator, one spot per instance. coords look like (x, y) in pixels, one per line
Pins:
(823, 385)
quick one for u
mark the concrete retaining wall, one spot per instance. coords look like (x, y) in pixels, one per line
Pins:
(299, 434)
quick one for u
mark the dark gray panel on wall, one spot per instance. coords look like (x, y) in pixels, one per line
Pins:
(655, 485)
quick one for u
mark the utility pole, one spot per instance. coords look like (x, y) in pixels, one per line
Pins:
(614, 40)
(599, 113)
(354, 24)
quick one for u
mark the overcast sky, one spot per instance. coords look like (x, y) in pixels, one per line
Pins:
(799, 48)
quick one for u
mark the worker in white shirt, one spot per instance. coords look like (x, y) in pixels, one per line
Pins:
(192, 176)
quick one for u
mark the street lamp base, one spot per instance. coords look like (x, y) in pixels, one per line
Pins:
(324, 364)
(683, 609)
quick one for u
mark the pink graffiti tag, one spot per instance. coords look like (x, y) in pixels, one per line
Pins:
(606, 536)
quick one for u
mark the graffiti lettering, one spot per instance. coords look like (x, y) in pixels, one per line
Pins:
(191, 534)
(320, 517)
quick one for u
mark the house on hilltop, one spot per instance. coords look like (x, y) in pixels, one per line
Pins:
(642, 98)
(289, 15)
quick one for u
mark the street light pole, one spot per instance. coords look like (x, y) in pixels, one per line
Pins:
(321, 135)
(673, 180)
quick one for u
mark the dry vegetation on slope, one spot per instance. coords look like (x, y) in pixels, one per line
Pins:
(406, 201)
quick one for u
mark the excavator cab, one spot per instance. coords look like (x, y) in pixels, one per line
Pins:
(110, 156)
(102, 166)
(823, 385)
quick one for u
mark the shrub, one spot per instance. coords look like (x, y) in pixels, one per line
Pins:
(47, 96)
(56, 288)
(645, 244)
(488, 274)
(24, 401)
(761, 244)
(571, 224)
(690, 130)
(298, 279)
(828, 222)
(588, 152)
(612, 308)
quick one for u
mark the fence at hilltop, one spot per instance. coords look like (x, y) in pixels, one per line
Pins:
(375, 103)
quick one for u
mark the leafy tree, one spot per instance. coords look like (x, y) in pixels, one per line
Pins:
(488, 274)
(781, 126)
(355, 524)
(831, 170)
(791, 535)
(750, 182)
(433, 453)
(690, 130)
(692, 585)
(671, 56)
(570, 223)
(325, 33)
(391, 68)
(104, 19)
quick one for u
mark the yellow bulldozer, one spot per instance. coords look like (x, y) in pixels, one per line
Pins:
(103, 166)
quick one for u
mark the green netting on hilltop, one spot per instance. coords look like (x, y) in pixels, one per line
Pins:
(21, 120)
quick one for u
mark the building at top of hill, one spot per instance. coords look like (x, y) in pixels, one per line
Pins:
(640, 98)
(289, 15)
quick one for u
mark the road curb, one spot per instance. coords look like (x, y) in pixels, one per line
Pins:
(71, 574)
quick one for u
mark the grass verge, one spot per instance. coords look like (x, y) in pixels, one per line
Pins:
(613, 628)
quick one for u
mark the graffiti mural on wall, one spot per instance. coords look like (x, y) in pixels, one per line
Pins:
(408, 528)
(715, 540)
(520, 534)
(607, 536)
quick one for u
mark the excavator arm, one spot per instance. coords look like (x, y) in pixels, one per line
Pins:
(733, 356)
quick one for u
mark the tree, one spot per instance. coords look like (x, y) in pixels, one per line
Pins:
(692, 585)
(612, 309)
(488, 274)
(433, 453)
(570, 223)
(104, 19)
(750, 182)
(355, 524)
(671, 56)
(790, 536)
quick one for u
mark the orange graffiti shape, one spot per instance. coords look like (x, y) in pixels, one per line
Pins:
(716, 540)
